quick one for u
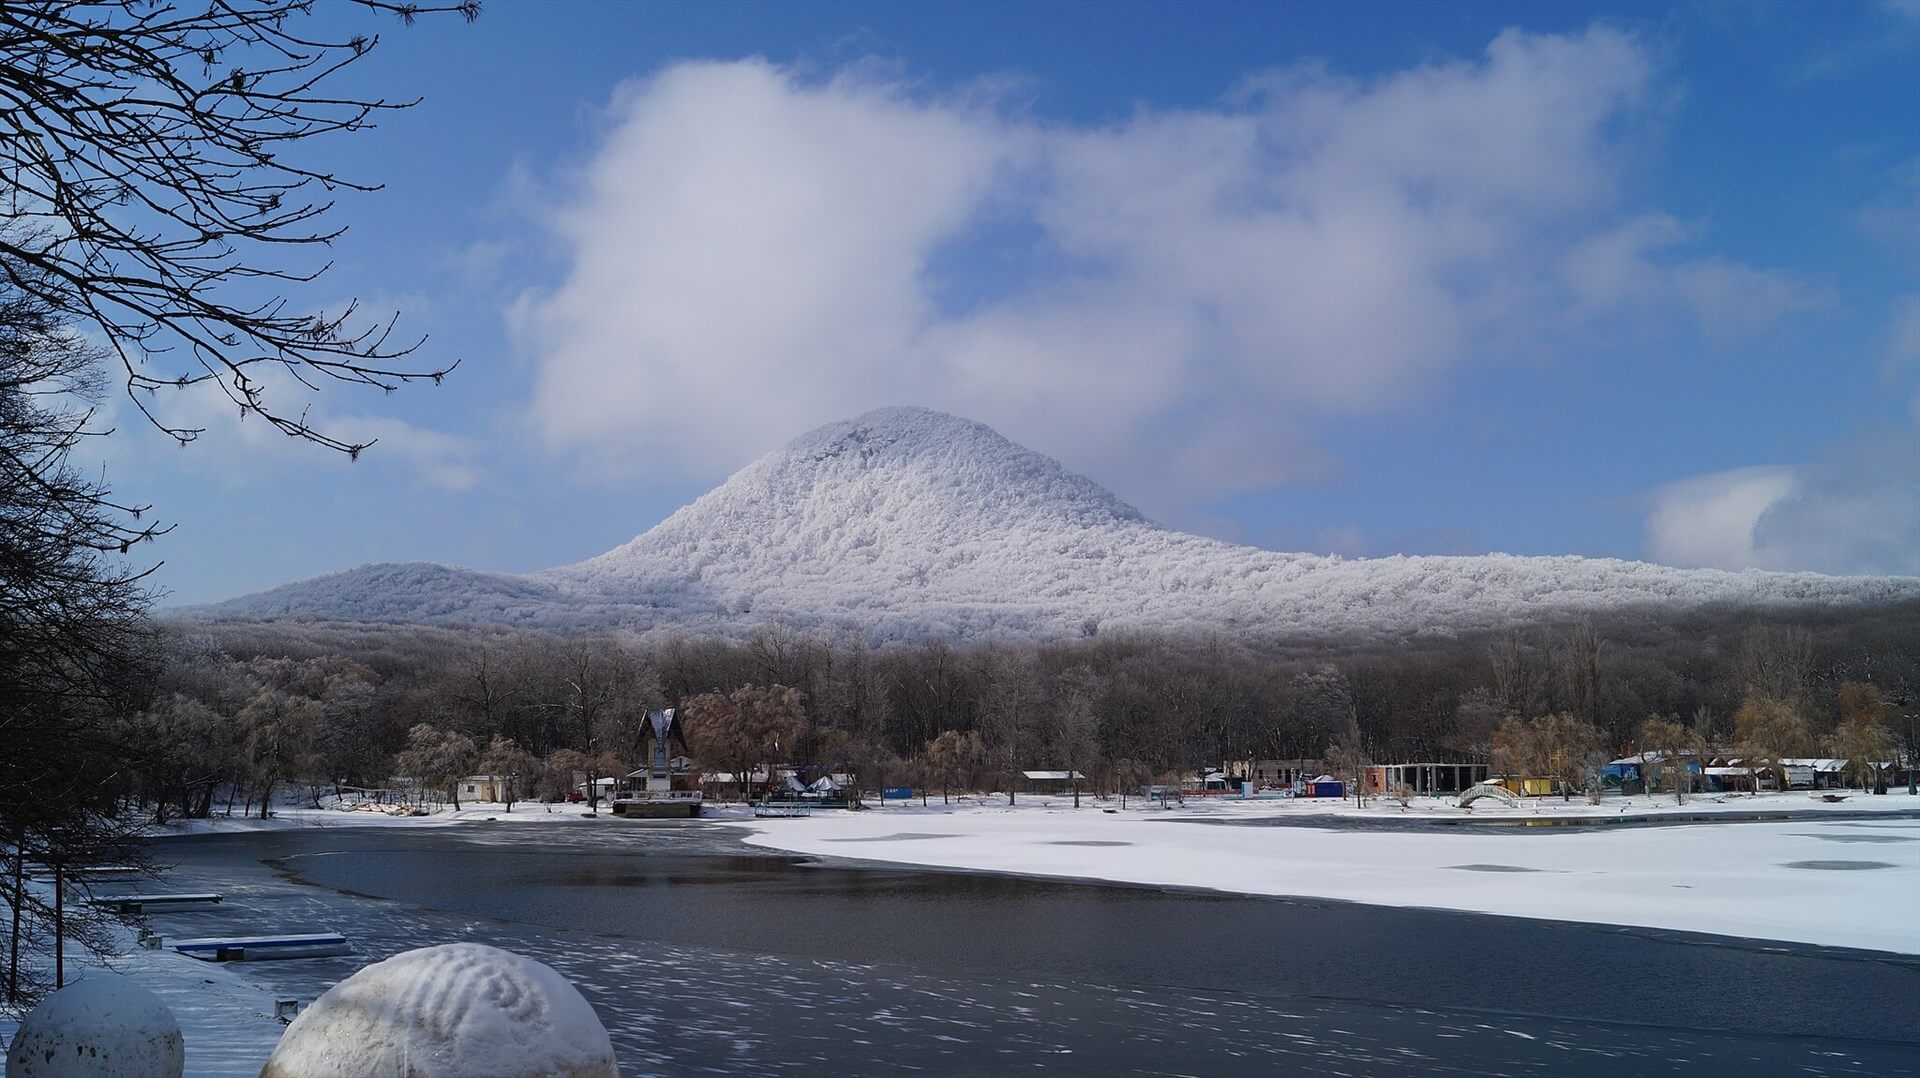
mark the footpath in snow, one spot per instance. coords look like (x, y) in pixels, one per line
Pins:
(1849, 877)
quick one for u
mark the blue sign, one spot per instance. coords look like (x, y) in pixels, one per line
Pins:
(896, 793)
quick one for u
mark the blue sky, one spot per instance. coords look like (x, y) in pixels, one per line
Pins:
(1624, 280)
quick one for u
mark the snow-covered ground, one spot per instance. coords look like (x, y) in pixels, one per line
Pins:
(1848, 878)
(228, 1021)
(1635, 806)
(287, 817)
(1732, 878)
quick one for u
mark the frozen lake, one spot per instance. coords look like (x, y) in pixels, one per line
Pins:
(704, 955)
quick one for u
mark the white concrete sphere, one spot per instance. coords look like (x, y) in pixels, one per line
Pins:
(455, 1011)
(101, 1026)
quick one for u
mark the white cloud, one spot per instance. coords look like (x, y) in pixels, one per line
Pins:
(1903, 333)
(1907, 11)
(1628, 266)
(754, 253)
(242, 449)
(748, 250)
(1855, 511)
(1708, 521)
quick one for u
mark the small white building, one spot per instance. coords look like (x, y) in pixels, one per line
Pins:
(484, 788)
(601, 788)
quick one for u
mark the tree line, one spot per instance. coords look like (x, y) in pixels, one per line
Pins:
(240, 710)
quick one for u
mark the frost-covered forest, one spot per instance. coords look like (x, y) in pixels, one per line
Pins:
(909, 524)
(241, 707)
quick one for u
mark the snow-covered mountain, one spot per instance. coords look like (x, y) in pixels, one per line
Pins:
(906, 522)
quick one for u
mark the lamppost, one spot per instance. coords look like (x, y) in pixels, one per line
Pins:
(1913, 780)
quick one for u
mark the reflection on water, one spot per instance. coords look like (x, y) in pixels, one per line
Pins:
(704, 957)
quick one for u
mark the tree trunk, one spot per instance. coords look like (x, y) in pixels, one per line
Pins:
(59, 928)
(13, 940)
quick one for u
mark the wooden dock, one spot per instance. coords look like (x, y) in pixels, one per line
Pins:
(263, 948)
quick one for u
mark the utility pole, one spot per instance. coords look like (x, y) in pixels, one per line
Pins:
(19, 891)
(1913, 780)
(59, 927)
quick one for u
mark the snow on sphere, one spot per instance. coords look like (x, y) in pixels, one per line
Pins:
(453, 1011)
(101, 1026)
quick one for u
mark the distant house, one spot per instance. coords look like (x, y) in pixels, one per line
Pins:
(831, 785)
(601, 788)
(728, 784)
(1425, 778)
(1725, 778)
(1053, 781)
(484, 788)
(1802, 773)
(1814, 774)
(1632, 773)
(1273, 773)
(1324, 786)
(1525, 785)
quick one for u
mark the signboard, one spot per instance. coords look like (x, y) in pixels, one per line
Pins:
(896, 793)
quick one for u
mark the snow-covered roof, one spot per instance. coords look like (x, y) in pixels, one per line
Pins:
(1054, 776)
(1651, 757)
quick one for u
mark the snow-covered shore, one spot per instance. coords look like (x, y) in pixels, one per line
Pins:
(286, 818)
(1848, 878)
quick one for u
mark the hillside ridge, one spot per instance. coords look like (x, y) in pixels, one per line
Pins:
(907, 523)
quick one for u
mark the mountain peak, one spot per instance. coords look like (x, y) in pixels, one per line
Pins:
(908, 521)
(892, 479)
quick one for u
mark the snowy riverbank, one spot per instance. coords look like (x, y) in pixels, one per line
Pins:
(295, 817)
(1847, 878)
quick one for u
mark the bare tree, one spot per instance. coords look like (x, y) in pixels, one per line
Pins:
(954, 758)
(1774, 663)
(1767, 729)
(156, 160)
(1009, 699)
(438, 759)
(746, 729)
(1073, 734)
(1667, 739)
(1574, 751)
(516, 768)
(1350, 762)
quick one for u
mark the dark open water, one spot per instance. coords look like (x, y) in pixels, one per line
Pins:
(705, 956)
